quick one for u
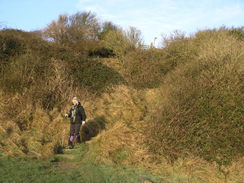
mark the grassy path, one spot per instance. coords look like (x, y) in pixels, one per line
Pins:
(71, 167)
(72, 159)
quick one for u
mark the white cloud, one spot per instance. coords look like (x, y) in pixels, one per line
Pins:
(163, 16)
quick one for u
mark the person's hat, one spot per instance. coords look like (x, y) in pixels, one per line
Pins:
(75, 98)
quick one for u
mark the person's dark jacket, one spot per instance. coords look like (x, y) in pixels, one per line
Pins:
(77, 114)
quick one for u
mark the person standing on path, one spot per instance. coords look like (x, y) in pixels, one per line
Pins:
(77, 117)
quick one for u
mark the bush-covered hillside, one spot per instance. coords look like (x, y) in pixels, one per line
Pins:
(175, 110)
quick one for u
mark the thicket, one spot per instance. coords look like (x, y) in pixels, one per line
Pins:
(179, 101)
(201, 107)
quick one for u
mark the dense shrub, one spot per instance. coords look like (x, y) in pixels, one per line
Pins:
(201, 103)
(238, 33)
(122, 42)
(101, 52)
(144, 68)
(93, 75)
(10, 44)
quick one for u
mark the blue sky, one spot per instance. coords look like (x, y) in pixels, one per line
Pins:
(152, 17)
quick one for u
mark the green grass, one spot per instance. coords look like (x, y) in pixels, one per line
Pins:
(16, 170)
(59, 168)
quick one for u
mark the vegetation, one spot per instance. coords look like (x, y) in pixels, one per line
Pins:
(202, 103)
(56, 170)
(174, 111)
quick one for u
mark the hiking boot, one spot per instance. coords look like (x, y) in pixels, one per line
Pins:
(70, 147)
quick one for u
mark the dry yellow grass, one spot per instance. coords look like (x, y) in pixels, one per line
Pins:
(31, 132)
(123, 115)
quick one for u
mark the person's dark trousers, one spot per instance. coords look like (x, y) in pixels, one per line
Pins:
(74, 133)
